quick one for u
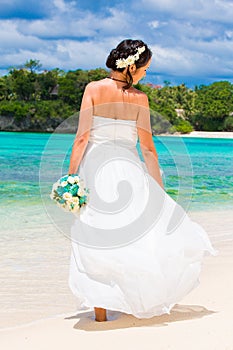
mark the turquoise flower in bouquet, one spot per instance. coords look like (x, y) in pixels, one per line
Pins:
(69, 193)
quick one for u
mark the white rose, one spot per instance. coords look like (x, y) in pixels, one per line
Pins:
(130, 60)
(141, 49)
(67, 196)
(76, 179)
(80, 192)
(120, 63)
(64, 183)
(55, 186)
(75, 200)
(70, 180)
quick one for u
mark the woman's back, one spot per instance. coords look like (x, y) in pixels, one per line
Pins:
(111, 101)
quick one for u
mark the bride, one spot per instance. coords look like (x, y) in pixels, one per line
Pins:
(168, 265)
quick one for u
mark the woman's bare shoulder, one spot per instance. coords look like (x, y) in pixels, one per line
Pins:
(141, 96)
(95, 84)
(96, 87)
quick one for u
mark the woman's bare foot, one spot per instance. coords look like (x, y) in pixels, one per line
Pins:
(100, 314)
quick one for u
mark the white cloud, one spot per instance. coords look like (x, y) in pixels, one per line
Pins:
(197, 62)
(61, 5)
(229, 34)
(189, 38)
(76, 24)
(12, 40)
(213, 10)
(154, 24)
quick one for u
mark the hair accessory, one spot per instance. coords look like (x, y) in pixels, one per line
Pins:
(124, 62)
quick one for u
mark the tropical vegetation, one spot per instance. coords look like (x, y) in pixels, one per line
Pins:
(36, 100)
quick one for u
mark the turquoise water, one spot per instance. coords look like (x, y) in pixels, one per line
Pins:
(198, 172)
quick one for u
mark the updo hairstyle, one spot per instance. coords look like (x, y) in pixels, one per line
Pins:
(123, 50)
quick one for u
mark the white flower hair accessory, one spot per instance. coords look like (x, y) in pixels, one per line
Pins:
(124, 62)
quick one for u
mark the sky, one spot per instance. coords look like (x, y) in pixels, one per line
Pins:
(191, 40)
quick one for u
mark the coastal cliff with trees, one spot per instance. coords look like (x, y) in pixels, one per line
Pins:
(39, 101)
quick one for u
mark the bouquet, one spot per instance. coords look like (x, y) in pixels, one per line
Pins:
(69, 193)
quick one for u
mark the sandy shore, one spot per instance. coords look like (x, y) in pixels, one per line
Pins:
(208, 134)
(201, 321)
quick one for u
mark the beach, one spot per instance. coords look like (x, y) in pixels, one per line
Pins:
(37, 308)
(210, 134)
(206, 134)
(50, 320)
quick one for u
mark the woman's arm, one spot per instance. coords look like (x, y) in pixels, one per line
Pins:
(83, 132)
(146, 141)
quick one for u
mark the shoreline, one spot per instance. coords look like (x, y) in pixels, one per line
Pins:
(203, 134)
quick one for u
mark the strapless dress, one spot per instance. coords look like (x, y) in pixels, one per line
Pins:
(133, 248)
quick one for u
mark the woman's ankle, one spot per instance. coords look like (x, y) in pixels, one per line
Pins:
(100, 314)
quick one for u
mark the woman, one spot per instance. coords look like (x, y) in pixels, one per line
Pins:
(147, 270)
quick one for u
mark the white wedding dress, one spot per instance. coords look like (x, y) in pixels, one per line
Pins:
(133, 249)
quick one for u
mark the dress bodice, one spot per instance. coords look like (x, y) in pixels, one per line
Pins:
(117, 130)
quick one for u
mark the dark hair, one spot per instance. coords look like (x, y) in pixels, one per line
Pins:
(123, 50)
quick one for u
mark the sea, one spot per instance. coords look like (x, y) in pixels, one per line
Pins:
(197, 173)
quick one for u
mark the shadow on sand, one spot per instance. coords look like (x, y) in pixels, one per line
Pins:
(120, 320)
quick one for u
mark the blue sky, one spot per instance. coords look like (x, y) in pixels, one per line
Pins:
(191, 40)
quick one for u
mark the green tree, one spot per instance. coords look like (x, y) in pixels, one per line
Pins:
(33, 65)
(45, 83)
(228, 123)
(213, 103)
(23, 84)
(3, 89)
(183, 126)
(97, 74)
